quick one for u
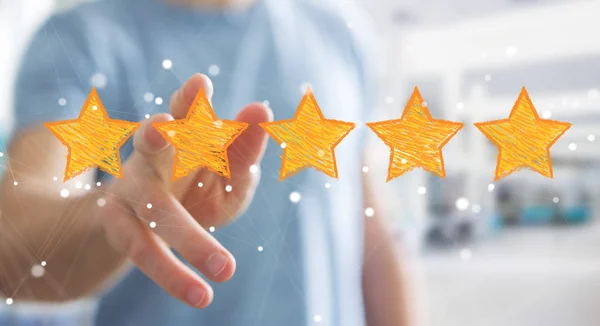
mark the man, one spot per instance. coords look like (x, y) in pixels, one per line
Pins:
(315, 258)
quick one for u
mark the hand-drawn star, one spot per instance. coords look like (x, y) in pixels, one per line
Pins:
(200, 140)
(93, 139)
(416, 139)
(308, 140)
(523, 140)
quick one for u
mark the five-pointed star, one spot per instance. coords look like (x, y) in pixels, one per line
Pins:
(200, 140)
(523, 140)
(93, 139)
(308, 140)
(416, 139)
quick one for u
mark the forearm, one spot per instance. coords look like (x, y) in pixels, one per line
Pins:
(37, 224)
(386, 282)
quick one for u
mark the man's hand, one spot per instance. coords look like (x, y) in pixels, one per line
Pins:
(144, 214)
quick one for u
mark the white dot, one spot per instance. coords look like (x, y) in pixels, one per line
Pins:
(511, 51)
(200, 185)
(149, 205)
(465, 254)
(305, 86)
(591, 137)
(152, 225)
(260, 248)
(9, 301)
(95, 107)
(555, 200)
(171, 133)
(99, 80)
(78, 185)
(491, 187)
(389, 100)
(572, 146)
(167, 64)
(317, 318)
(295, 197)
(365, 169)
(266, 103)
(369, 212)
(422, 190)
(228, 188)
(403, 161)
(462, 204)
(16, 183)
(214, 70)
(98, 184)
(283, 145)
(546, 114)
(460, 106)
(62, 102)
(211, 229)
(43, 263)
(476, 209)
(1, 154)
(424, 104)
(101, 202)
(488, 77)
(37, 271)
(593, 93)
(147, 116)
(158, 101)
(148, 97)
(87, 186)
(327, 185)
(219, 123)
(253, 168)
(54, 178)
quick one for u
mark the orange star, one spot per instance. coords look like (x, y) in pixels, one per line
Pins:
(416, 139)
(93, 139)
(523, 140)
(200, 140)
(308, 140)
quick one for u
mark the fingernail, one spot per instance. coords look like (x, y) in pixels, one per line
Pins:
(216, 263)
(195, 296)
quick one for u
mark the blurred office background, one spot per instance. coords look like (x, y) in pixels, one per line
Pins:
(523, 251)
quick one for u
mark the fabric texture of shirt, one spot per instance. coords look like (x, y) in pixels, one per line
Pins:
(311, 263)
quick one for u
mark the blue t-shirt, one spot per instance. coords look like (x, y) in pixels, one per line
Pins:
(309, 268)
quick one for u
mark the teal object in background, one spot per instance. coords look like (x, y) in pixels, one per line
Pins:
(537, 214)
(577, 214)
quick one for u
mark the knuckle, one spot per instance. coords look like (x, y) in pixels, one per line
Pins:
(139, 252)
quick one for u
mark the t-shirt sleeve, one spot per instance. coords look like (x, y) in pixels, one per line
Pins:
(54, 75)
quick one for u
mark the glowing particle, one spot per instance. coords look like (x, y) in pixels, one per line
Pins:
(98, 184)
(147, 116)
(99, 80)
(462, 204)
(253, 168)
(167, 64)
(87, 186)
(214, 70)
(572, 146)
(422, 190)
(37, 271)
(546, 114)
(9, 301)
(365, 169)
(101, 202)
(327, 185)
(200, 184)
(158, 101)
(283, 145)
(43, 263)
(555, 200)
(491, 187)
(211, 229)
(62, 102)
(64, 193)
(148, 97)
(317, 318)
(260, 248)
(369, 212)
(152, 225)
(149, 205)
(591, 138)
(16, 183)
(78, 185)
(228, 188)
(295, 197)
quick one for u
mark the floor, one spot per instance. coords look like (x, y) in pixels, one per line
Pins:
(529, 276)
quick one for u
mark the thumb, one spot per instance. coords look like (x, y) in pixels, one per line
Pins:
(249, 147)
(152, 154)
